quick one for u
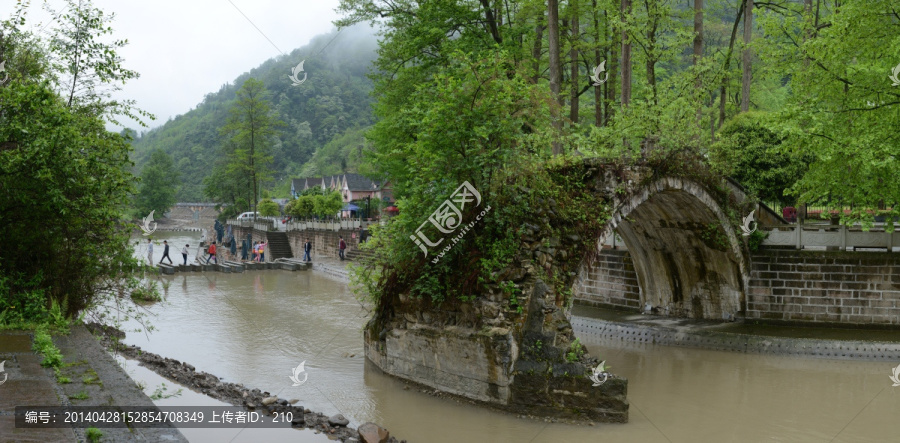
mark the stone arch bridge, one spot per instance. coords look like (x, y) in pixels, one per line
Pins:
(683, 234)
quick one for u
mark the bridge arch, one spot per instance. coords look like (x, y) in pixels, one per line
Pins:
(687, 256)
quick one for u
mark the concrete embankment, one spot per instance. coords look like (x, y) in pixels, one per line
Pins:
(856, 344)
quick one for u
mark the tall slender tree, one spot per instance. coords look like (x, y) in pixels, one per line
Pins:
(747, 61)
(250, 127)
(555, 67)
(723, 89)
(626, 55)
(574, 85)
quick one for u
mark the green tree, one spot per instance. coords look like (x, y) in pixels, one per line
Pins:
(303, 206)
(750, 152)
(327, 205)
(228, 187)
(250, 127)
(87, 60)
(65, 182)
(268, 208)
(843, 109)
(158, 185)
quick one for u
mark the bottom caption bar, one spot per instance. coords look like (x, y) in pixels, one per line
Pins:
(148, 417)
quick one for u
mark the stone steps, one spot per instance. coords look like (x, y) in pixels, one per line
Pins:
(279, 245)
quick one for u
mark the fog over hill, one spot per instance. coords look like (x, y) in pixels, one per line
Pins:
(327, 112)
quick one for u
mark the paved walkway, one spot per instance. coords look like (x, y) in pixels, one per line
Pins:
(27, 384)
(94, 377)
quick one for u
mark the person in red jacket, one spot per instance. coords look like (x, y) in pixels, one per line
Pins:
(341, 246)
(212, 253)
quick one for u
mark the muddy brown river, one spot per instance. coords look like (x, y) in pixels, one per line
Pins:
(253, 328)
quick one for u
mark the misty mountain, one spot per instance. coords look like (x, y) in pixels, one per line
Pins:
(332, 107)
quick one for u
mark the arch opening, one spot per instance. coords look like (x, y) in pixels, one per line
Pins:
(686, 256)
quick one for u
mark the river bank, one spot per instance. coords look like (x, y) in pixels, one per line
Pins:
(335, 426)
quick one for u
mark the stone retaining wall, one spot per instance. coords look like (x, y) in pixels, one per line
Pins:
(857, 288)
(325, 242)
(821, 287)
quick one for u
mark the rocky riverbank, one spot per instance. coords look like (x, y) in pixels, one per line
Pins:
(237, 394)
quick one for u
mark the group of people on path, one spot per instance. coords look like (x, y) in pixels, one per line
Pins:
(165, 256)
(259, 251)
(307, 249)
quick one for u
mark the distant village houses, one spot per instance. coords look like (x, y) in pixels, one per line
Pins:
(358, 192)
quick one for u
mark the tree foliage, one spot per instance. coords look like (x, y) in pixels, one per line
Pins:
(327, 205)
(843, 109)
(249, 129)
(65, 184)
(750, 151)
(156, 191)
(268, 208)
(87, 61)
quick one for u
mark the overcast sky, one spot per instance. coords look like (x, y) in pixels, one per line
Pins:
(185, 49)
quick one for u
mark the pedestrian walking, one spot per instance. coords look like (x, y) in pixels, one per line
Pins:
(307, 248)
(262, 252)
(198, 256)
(341, 246)
(212, 253)
(166, 252)
(150, 251)
(256, 251)
(184, 253)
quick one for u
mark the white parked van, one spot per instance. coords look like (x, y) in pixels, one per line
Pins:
(248, 216)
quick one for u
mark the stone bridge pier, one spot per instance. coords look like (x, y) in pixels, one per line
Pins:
(513, 346)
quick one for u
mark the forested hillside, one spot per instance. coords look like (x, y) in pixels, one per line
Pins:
(332, 104)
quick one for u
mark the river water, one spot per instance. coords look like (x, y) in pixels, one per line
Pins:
(254, 327)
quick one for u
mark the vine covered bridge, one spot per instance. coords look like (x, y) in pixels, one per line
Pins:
(684, 239)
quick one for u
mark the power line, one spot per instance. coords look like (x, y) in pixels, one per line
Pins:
(257, 28)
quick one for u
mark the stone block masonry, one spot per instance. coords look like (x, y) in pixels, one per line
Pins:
(846, 288)
(325, 243)
(858, 289)
(612, 282)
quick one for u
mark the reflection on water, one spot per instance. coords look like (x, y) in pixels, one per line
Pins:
(254, 327)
